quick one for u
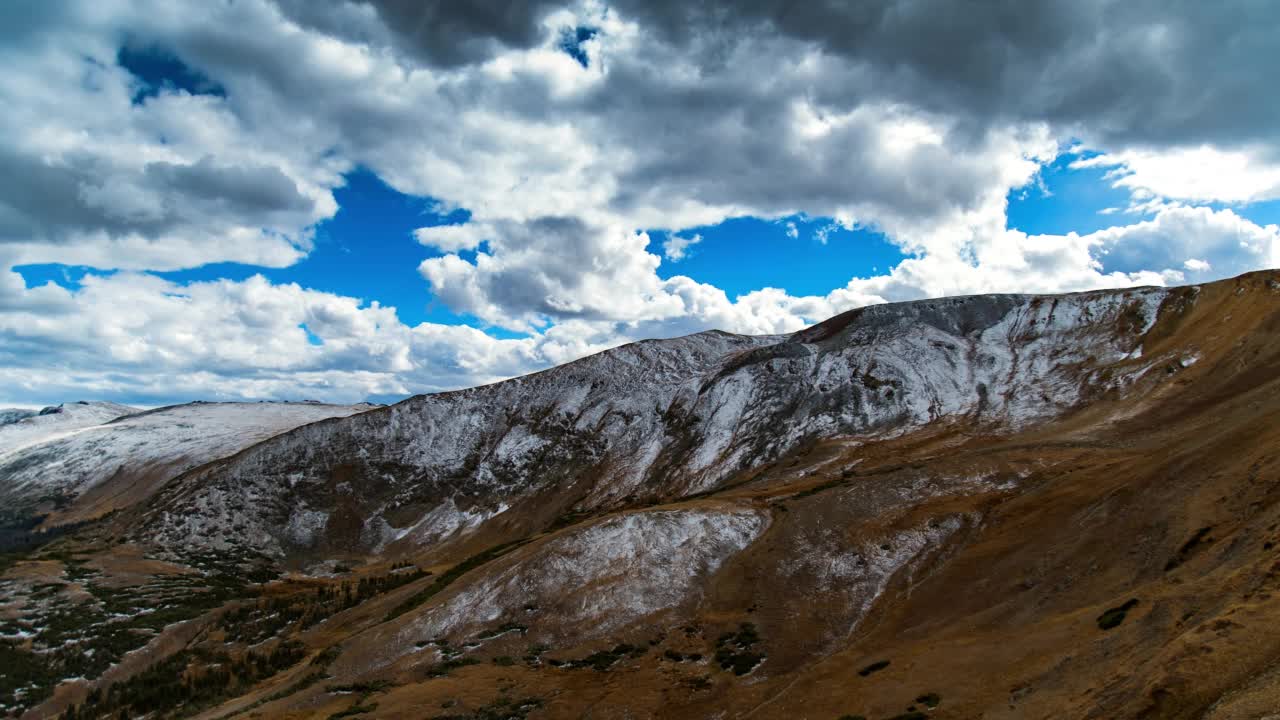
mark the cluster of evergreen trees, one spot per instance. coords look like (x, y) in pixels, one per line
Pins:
(185, 681)
(270, 615)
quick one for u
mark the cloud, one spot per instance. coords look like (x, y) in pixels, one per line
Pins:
(1206, 243)
(235, 340)
(915, 119)
(1123, 72)
(437, 32)
(175, 180)
(676, 247)
(453, 238)
(1196, 174)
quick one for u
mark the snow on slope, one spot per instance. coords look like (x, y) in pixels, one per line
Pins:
(631, 566)
(152, 446)
(664, 419)
(13, 415)
(56, 421)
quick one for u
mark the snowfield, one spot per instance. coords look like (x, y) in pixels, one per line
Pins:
(67, 454)
(57, 421)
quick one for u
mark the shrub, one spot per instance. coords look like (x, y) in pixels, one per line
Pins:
(874, 667)
(1114, 616)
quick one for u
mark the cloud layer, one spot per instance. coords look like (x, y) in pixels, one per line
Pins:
(569, 131)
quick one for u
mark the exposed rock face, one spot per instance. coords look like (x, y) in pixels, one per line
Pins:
(657, 420)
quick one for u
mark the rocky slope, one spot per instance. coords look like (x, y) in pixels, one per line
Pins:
(658, 421)
(998, 506)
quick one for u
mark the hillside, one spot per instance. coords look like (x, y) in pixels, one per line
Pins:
(997, 506)
(76, 462)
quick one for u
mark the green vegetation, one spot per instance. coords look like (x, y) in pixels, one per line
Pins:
(270, 616)
(533, 656)
(501, 709)
(502, 629)
(702, 682)
(1114, 616)
(364, 688)
(604, 659)
(735, 651)
(874, 667)
(1188, 548)
(441, 669)
(84, 639)
(567, 519)
(930, 700)
(186, 682)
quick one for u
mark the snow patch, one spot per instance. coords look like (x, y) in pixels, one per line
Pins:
(634, 565)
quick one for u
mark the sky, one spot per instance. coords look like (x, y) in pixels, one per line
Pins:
(368, 199)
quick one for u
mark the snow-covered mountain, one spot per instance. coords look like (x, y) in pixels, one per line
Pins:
(13, 415)
(31, 428)
(81, 460)
(659, 420)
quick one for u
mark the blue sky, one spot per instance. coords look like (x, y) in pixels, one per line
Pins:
(355, 201)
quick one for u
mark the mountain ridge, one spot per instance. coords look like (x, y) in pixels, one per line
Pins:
(682, 427)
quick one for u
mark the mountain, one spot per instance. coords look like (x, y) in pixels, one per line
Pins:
(656, 421)
(999, 506)
(13, 415)
(23, 428)
(76, 462)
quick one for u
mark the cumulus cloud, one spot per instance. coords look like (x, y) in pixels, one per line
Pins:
(1195, 174)
(174, 180)
(236, 340)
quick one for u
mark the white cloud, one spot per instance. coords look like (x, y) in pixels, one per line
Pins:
(676, 247)
(1193, 174)
(453, 238)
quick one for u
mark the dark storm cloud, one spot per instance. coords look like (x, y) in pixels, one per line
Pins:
(1132, 72)
(438, 32)
(56, 201)
(726, 140)
(251, 191)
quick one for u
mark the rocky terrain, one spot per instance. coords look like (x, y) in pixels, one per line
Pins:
(996, 506)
